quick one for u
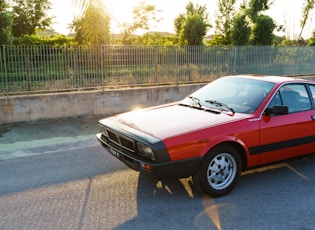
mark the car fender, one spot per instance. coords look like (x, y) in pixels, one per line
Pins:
(247, 159)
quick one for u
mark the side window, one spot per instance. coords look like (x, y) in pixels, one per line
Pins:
(312, 88)
(276, 100)
(295, 96)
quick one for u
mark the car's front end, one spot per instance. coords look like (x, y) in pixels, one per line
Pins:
(143, 152)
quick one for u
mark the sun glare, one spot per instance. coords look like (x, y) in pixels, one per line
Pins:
(121, 12)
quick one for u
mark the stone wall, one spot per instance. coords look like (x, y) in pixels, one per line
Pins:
(49, 106)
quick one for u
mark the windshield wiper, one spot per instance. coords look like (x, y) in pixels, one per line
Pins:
(220, 104)
(195, 100)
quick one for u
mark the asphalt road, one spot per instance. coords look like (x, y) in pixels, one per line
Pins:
(57, 176)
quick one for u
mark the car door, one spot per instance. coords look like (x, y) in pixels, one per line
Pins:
(292, 134)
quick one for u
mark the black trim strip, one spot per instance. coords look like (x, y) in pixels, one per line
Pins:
(281, 145)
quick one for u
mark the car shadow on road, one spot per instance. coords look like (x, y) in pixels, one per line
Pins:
(173, 204)
(176, 204)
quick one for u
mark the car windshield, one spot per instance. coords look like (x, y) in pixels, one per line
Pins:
(234, 94)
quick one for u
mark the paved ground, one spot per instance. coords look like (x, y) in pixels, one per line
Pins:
(55, 175)
(41, 137)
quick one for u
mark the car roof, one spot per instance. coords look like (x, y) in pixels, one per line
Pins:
(274, 79)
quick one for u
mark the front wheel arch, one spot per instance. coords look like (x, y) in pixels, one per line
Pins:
(238, 146)
(219, 170)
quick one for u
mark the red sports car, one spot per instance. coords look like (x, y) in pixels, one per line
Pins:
(231, 124)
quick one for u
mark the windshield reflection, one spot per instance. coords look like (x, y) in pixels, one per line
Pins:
(240, 95)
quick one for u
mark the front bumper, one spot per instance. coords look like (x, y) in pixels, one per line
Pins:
(164, 170)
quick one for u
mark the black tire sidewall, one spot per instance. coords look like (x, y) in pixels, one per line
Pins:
(202, 171)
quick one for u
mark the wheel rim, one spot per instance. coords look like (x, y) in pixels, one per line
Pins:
(221, 171)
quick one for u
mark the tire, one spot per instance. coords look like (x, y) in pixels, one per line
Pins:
(219, 171)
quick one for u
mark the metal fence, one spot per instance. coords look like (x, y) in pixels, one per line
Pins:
(43, 69)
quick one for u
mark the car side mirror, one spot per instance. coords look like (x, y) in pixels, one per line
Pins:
(277, 110)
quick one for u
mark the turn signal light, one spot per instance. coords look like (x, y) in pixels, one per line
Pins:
(145, 166)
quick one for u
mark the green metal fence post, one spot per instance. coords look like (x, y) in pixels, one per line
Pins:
(235, 59)
(176, 64)
(5, 72)
(282, 66)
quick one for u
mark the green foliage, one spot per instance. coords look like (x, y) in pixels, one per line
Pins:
(93, 28)
(150, 39)
(224, 22)
(76, 26)
(54, 40)
(307, 7)
(143, 17)
(248, 26)
(158, 39)
(311, 41)
(193, 30)
(178, 21)
(255, 7)
(262, 30)
(127, 38)
(277, 40)
(295, 42)
(217, 40)
(191, 9)
(240, 34)
(192, 26)
(29, 15)
(5, 24)
(262, 26)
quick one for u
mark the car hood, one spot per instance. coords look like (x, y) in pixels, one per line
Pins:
(173, 120)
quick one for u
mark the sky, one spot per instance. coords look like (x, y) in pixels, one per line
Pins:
(285, 12)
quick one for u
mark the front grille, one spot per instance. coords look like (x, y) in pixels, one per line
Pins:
(120, 140)
(113, 137)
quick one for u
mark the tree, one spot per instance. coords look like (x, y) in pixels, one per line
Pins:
(93, 27)
(224, 22)
(76, 26)
(5, 24)
(307, 7)
(127, 38)
(311, 42)
(262, 30)
(190, 10)
(262, 25)
(193, 30)
(29, 15)
(178, 21)
(143, 17)
(255, 7)
(240, 32)
(196, 17)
